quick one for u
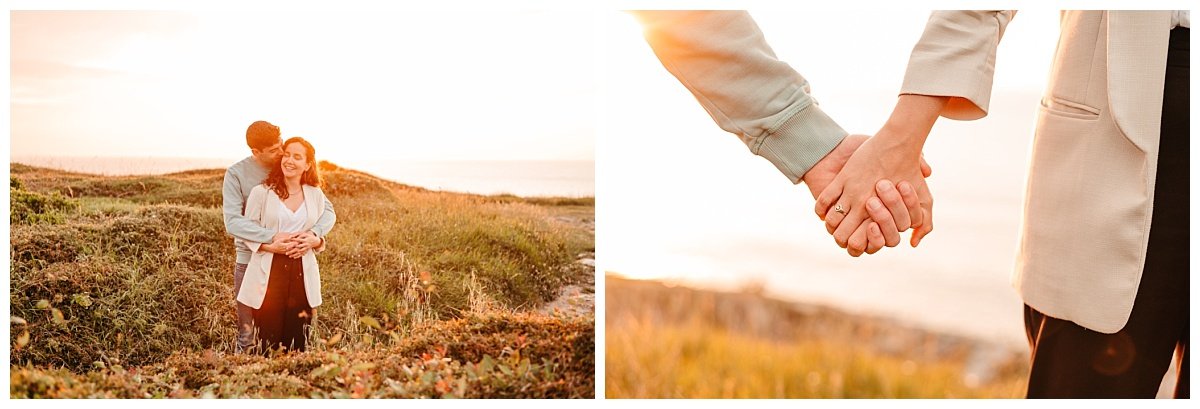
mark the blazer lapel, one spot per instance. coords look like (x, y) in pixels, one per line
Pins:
(1137, 62)
(271, 212)
(270, 220)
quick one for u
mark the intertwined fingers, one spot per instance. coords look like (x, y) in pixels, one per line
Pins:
(875, 240)
(924, 224)
(884, 221)
(896, 207)
(853, 220)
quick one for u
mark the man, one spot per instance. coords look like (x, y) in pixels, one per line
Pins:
(724, 60)
(1103, 261)
(265, 144)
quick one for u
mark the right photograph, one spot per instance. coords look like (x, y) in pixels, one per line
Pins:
(769, 179)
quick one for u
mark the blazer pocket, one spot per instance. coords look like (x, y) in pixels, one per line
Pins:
(1069, 109)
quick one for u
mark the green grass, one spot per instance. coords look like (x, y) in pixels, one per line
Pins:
(36, 208)
(136, 269)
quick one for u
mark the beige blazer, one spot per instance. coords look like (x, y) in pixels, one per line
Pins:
(262, 207)
(1090, 190)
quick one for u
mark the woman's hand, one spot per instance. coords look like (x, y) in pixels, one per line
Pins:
(278, 243)
(302, 243)
(879, 161)
(893, 155)
(881, 229)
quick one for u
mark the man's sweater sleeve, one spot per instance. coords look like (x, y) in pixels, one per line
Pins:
(724, 60)
(325, 223)
(232, 207)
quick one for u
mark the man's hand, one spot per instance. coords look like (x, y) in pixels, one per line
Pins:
(278, 244)
(282, 237)
(302, 243)
(884, 228)
(894, 154)
(824, 171)
(880, 158)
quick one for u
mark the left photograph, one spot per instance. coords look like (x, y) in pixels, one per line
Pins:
(271, 204)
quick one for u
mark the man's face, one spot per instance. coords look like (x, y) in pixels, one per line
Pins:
(269, 155)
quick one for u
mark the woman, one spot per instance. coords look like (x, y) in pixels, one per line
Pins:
(1103, 257)
(284, 290)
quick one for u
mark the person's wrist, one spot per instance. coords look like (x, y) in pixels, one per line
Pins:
(836, 158)
(818, 167)
(900, 143)
(913, 118)
(901, 136)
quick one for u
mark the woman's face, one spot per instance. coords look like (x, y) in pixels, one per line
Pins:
(295, 160)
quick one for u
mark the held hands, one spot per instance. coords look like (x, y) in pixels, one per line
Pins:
(860, 205)
(870, 235)
(864, 192)
(278, 244)
(293, 245)
(303, 243)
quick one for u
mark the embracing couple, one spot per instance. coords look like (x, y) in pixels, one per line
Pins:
(1102, 265)
(274, 208)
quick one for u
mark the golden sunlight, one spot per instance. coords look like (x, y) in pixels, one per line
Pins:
(360, 85)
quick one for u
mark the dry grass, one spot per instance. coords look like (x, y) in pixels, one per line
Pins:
(133, 270)
(675, 342)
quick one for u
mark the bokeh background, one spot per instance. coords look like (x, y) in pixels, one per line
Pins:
(734, 253)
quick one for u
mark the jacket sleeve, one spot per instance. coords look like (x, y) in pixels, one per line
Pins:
(956, 57)
(232, 206)
(724, 60)
(254, 211)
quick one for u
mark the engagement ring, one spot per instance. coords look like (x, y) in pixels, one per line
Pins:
(839, 209)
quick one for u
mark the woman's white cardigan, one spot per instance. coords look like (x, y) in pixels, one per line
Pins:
(263, 208)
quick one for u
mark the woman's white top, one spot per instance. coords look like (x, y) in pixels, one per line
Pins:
(1181, 18)
(289, 221)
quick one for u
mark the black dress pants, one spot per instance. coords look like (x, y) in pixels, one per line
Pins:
(284, 317)
(1070, 361)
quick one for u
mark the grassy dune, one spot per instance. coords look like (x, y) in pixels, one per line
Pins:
(119, 285)
(674, 342)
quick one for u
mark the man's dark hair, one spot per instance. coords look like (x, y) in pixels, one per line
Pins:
(261, 135)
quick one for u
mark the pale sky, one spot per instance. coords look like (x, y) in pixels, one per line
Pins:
(360, 85)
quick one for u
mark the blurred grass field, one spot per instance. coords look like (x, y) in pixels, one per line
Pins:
(119, 276)
(666, 341)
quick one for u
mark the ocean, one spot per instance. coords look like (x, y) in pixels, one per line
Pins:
(521, 178)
